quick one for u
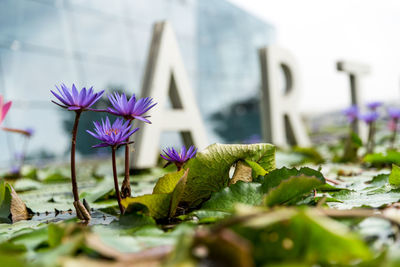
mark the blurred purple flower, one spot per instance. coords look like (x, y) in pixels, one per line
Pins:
(132, 108)
(369, 117)
(252, 139)
(15, 170)
(374, 105)
(172, 156)
(394, 113)
(351, 113)
(29, 131)
(112, 135)
(74, 100)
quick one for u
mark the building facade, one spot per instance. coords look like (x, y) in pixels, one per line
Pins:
(97, 43)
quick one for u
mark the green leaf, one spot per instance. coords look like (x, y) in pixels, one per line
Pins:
(241, 192)
(303, 236)
(275, 177)
(291, 188)
(101, 190)
(209, 171)
(177, 194)
(5, 202)
(394, 177)
(257, 169)
(167, 183)
(381, 159)
(158, 205)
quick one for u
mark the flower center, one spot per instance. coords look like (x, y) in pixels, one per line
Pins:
(112, 131)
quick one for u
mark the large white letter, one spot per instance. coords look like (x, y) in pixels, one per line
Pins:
(355, 70)
(281, 121)
(165, 78)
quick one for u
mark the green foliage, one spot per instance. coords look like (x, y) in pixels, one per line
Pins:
(309, 155)
(201, 176)
(291, 188)
(241, 192)
(209, 171)
(394, 177)
(383, 159)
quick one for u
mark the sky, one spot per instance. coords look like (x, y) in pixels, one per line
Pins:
(320, 32)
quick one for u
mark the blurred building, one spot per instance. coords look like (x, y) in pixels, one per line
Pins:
(104, 44)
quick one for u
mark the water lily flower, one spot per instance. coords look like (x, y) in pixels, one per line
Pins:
(369, 117)
(374, 105)
(130, 109)
(113, 136)
(394, 113)
(4, 108)
(74, 100)
(173, 156)
(351, 113)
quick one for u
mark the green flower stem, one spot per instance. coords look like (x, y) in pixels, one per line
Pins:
(121, 208)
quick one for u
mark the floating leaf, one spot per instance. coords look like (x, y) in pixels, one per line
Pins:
(303, 236)
(275, 177)
(12, 208)
(241, 192)
(394, 177)
(291, 188)
(158, 205)
(177, 194)
(382, 159)
(209, 171)
(167, 183)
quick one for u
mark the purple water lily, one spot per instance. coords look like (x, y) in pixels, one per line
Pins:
(130, 109)
(112, 135)
(74, 100)
(173, 156)
(369, 117)
(374, 105)
(394, 113)
(351, 113)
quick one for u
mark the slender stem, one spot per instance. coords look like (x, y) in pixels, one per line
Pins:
(393, 138)
(126, 186)
(26, 133)
(116, 180)
(371, 138)
(73, 145)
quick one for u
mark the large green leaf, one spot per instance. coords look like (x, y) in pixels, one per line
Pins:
(158, 205)
(293, 187)
(275, 177)
(241, 192)
(394, 177)
(167, 183)
(381, 159)
(304, 236)
(209, 171)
